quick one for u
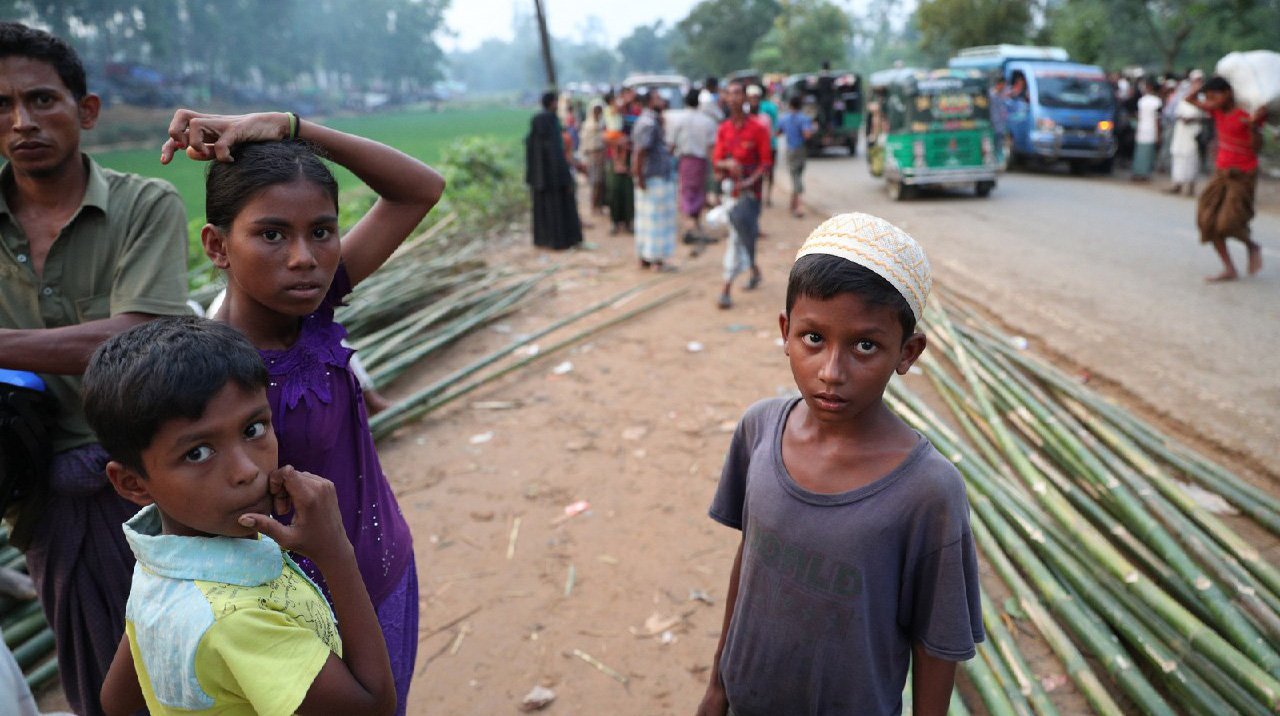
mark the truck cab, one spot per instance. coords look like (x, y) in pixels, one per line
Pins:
(1055, 109)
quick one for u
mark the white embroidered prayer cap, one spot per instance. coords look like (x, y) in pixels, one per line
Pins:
(875, 244)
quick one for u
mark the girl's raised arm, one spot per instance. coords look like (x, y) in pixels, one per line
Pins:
(407, 189)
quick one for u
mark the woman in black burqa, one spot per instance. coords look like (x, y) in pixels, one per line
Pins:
(555, 209)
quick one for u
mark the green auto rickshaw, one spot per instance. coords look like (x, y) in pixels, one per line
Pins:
(833, 100)
(933, 129)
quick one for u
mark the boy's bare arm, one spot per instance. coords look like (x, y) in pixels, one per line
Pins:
(715, 702)
(361, 681)
(64, 350)
(121, 693)
(932, 680)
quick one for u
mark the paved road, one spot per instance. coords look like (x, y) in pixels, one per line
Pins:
(1110, 275)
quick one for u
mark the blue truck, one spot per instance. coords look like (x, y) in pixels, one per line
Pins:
(1055, 109)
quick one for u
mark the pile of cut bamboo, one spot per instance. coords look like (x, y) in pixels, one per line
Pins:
(1096, 523)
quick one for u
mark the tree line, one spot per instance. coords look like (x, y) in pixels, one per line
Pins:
(720, 36)
(360, 44)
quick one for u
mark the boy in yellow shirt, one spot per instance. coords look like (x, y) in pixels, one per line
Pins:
(219, 618)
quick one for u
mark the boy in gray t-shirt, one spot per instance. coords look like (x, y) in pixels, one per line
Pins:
(856, 559)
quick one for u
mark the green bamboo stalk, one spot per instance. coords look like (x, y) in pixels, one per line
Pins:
(396, 366)
(1214, 527)
(1078, 670)
(986, 684)
(1250, 499)
(1076, 614)
(1214, 646)
(29, 651)
(1204, 673)
(1003, 643)
(24, 628)
(1135, 513)
(41, 675)
(389, 416)
(430, 405)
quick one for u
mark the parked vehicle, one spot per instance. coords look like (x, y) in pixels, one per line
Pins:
(745, 78)
(673, 88)
(935, 131)
(1059, 110)
(833, 99)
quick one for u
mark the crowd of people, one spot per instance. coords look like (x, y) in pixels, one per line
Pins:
(654, 171)
(200, 500)
(205, 516)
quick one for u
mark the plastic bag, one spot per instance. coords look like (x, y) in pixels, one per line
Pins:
(1255, 80)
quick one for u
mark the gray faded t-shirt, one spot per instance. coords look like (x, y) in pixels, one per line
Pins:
(834, 589)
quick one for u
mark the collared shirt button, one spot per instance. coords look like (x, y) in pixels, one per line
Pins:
(46, 291)
(22, 258)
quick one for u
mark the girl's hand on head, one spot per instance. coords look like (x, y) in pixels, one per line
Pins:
(206, 137)
(316, 530)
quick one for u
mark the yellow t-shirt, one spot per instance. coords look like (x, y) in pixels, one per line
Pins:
(218, 625)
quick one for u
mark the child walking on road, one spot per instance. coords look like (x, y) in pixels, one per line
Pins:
(1225, 207)
(272, 208)
(220, 619)
(856, 560)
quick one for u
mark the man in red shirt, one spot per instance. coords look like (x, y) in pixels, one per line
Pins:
(1226, 205)
(742, 155)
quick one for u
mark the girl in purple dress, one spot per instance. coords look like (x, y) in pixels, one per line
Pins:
(272, 212)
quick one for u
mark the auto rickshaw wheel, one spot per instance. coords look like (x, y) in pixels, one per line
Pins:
(853, 145)
(899, 191)
(983, 188)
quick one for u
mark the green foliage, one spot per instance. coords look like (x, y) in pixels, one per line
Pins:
(368, 43)
(486, 181)
(1166, 35)
(948, 25)
(419, 133)
(878, 43)
(718, 35)
(805, 34)
(647, 48)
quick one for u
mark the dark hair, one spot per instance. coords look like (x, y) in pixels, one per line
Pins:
(1217, 83)
(608, 97)
(712, 84)
(549, 99)
(162, 370)
(691, 97)
(823, 276)
(796, 102)
(229, 186)
(19, 40)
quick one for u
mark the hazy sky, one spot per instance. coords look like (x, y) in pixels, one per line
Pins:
(475, 20)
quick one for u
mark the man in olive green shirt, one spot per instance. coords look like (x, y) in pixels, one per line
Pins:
(85, 253)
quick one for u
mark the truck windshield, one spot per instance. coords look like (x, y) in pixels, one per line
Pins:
(1074, 91)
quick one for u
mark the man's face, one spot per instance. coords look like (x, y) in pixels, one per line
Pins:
(40, 120)
(733, 96)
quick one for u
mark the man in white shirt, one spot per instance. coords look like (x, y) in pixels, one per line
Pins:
(1147, 135)
(692, 134)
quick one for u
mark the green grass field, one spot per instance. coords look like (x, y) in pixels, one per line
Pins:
(422, 134)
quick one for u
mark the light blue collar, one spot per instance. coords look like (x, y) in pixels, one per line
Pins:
(243, 562)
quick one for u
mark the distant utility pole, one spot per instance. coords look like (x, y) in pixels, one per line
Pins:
(547, 63)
